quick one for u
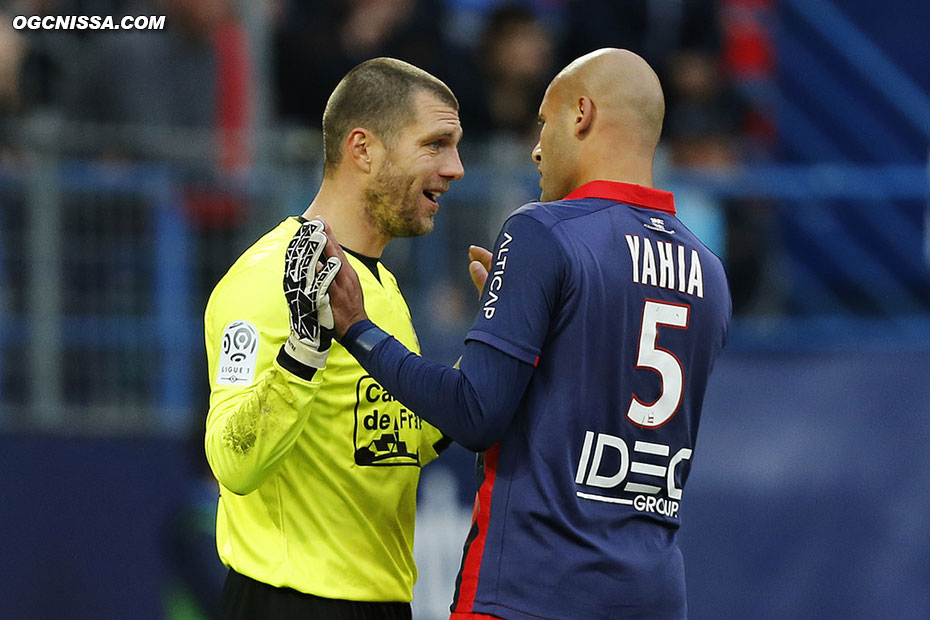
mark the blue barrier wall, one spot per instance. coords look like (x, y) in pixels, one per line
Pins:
(83, 523)
(810, 492)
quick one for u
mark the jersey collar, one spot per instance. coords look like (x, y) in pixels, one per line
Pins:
(627, 193)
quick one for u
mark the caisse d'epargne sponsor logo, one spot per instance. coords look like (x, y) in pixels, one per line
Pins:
(386, 433)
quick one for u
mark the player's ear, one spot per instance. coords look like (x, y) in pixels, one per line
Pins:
(359, 148)
(584, 116)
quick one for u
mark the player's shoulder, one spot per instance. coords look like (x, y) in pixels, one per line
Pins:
(538, 221)
(546, 213)
(687, 237)
(554, 212)
(535, 220)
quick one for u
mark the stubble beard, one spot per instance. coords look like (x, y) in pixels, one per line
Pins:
(392, 204)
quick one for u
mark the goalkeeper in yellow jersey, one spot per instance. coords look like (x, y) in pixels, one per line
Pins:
(317, 463)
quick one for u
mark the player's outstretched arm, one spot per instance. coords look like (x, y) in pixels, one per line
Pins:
(474, 404)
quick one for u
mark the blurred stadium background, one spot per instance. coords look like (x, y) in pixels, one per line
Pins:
(135, 166)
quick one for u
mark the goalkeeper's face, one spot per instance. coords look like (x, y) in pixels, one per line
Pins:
(402, 195)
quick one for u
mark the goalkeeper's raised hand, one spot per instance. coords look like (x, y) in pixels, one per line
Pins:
(306, 286)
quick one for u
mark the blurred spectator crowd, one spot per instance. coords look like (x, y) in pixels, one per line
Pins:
(198, 73)
(203, 88)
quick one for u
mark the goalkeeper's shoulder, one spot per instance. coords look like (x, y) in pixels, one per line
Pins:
(266, 254)
(253, 284)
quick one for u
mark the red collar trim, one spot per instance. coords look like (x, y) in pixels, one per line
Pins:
(627, 193)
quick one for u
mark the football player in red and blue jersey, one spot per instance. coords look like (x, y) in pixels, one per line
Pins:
(582, 379)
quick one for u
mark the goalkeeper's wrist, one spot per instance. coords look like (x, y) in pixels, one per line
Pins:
(300, 359)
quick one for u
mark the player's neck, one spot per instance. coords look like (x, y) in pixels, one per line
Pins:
(629, 167)
(344, 211)
(620, 176)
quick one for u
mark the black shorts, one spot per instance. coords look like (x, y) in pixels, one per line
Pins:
(247, 599)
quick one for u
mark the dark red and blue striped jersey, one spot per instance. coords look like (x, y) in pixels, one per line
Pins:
(622, 311)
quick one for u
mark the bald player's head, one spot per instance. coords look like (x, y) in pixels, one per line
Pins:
(601, 119)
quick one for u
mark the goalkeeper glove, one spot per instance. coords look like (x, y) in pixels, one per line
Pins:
(306, 283)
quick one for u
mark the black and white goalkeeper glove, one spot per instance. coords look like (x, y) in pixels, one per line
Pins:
(306, 283)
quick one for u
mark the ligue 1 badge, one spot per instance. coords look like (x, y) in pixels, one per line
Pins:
(238, 355)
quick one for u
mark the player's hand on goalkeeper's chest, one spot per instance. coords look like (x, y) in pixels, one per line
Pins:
(308, 276)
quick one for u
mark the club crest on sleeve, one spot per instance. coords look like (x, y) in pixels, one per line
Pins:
(238, 354)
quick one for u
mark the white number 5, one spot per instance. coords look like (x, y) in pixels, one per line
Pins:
(664, 362)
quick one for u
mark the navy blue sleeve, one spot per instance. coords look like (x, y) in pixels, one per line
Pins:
(521, 294)
(472, 404)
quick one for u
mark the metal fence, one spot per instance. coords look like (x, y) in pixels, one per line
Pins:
(105, 264)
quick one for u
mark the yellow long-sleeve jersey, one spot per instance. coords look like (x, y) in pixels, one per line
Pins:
(318, 478)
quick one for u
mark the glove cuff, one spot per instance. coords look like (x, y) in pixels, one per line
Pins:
(301, 358)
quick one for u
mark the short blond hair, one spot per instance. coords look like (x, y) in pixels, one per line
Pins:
(377, 95)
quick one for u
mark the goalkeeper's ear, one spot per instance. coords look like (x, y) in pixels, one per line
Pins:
(361, 148)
